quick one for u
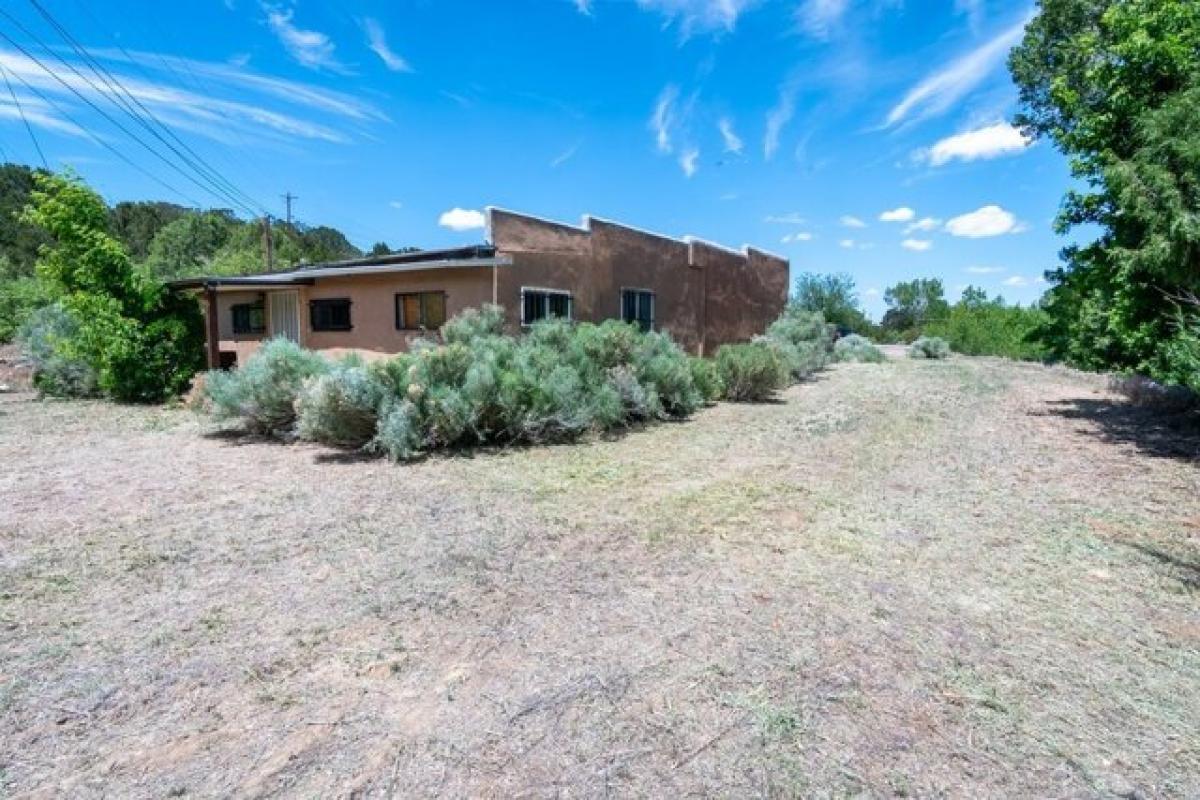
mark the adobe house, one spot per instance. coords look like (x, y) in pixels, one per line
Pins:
(702, 294)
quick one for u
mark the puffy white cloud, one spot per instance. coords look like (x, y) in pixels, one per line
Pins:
(987, 221)
(733, 142)
(901, 214)
(918, 245)
(377, 41)
(940, 90)
(991, 141)
(852, 222)
(461, 219)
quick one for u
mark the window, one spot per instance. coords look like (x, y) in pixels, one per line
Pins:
(544, 303)
(330, 314)
(637, 305)
(249, 318)
(417, 310)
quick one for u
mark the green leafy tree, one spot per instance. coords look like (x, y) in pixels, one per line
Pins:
(914, 304)
(979, 325)
(1114, 83)
(834, 297)
(19, 239)
(137, 223)
(142, 342)
(187, 246)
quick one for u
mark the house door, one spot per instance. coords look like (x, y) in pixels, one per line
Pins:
(285, 315)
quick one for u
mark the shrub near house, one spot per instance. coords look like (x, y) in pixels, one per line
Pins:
(480, 386)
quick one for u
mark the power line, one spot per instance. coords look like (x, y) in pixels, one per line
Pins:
(115, 85)
(63, 113)
(208, 188)
(21, 111)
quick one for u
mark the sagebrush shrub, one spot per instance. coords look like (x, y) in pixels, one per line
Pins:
(751, 372)
(474, 323)
(929, 347)
(41, 337)
(857, 348)
(263, 391)
(803, 339)
(340, 407)
(706, 378)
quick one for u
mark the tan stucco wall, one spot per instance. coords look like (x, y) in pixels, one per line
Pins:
(373, 305)
(705, 295)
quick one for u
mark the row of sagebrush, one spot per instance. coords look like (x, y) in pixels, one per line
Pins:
(480, 386)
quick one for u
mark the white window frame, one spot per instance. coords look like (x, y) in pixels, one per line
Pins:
(543, 290)
(653, 304)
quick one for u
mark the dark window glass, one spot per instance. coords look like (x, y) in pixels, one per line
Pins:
(249, 318)
(538, 304)
(417, 310)
(638, 307)
(332, 314)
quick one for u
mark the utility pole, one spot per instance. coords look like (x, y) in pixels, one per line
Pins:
(288, 198)
(268, 245)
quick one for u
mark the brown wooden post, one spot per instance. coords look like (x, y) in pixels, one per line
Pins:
(212, 323)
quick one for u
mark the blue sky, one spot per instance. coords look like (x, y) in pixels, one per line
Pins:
(864, 136)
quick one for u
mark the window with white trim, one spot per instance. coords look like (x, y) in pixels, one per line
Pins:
(637, 306)
(539, 304)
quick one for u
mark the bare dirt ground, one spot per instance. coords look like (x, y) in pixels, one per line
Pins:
(969, 578)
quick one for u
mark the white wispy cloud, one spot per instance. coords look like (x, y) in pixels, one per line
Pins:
(991, 220)
(662, 120)
(37, 112)
(688, 159)
(777, 118)
(733, 142)
(461, 219)
(984, 270)
(802, 236)
(990, 141)
(240, 107)
(312, 49)
(565, 155)
(940, 90)
(819, 17)
(1016, 280)
(790, 218)
(918, 245)
(901, 214)
(377, 41)
(699, 16)
(924, 224)
(846, 243)
(848, 221)
(396, 204)
(584, 7)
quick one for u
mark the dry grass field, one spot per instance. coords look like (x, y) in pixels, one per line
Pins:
(970, 578)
